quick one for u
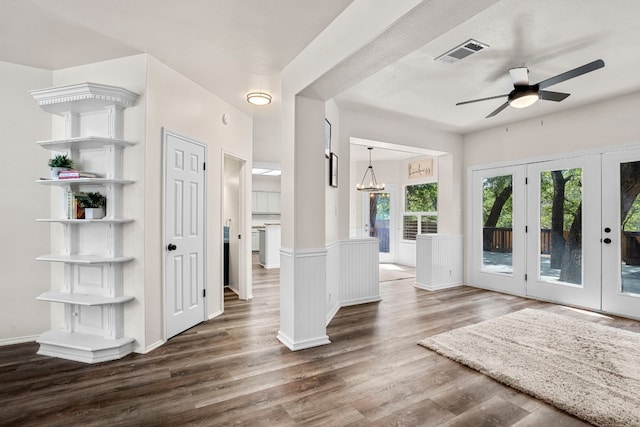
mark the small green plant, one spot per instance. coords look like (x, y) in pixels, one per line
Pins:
(61, 161)
(91, 200)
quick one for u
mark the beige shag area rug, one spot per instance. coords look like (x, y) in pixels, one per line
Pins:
(589, 370)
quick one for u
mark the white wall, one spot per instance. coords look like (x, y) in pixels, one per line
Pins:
(185, 107)
(609, 123)
(130, 73)
(22, 123)
(332, 194)
(266, 183)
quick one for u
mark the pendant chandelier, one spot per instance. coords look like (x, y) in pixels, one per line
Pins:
(373, 183)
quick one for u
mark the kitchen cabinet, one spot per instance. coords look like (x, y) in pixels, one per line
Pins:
(265, 202)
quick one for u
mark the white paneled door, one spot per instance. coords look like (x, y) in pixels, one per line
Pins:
(184, 233)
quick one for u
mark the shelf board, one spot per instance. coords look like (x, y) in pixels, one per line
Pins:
(88, 142)
(83, 181)
(84, 259)
(87, 221)
(82, 299)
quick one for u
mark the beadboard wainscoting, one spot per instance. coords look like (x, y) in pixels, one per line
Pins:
(359, 271)
(333, 280)
(302, 285)
(439, 261)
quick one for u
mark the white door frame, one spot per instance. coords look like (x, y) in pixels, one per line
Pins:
(392, 255)
(244, 244)
(166, 132)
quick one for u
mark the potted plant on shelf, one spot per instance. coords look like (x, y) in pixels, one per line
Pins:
(94, 205)
(59, 163)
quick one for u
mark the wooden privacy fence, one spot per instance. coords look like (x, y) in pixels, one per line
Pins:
(496, 239)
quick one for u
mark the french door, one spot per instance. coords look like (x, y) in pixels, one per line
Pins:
(621, 233)
(498, 204)
(563, 245)
(570, 235)
(378, 209)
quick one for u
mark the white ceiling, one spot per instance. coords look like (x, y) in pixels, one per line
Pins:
(547, 36)
(230, 47)
(234, 46)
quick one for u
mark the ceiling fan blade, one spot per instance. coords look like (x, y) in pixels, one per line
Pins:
(552, 96)
(519, 76)
(587, 68)
(482, 99)
(497, 110)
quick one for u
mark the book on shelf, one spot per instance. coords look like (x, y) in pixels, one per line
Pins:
(74, 210)
(75, 174)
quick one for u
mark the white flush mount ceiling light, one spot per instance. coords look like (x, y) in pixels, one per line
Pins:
(373, 182)
(258, 98)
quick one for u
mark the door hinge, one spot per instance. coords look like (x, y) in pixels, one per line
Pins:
(204, 166)
(239, 236)
(525, 277)
(526, 180)
(204, 293)
(526, 228)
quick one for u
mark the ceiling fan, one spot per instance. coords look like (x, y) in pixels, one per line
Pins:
(525, 94)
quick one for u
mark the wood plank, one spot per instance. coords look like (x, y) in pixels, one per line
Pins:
(233, 370)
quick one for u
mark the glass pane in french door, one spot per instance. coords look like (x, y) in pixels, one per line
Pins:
(379, 216)
(497, 229)
(630, 227)
(560, 224)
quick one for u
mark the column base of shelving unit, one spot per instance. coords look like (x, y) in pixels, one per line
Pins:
(83, 347)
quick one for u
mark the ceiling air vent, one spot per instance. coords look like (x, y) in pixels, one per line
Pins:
(462, 51)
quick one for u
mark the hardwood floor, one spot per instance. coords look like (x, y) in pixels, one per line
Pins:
(232, 370)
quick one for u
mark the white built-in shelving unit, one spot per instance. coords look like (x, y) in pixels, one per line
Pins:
(92, 290)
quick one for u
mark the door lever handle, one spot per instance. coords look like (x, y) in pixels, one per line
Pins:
(171, 247)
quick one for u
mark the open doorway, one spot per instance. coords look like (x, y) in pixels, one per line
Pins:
(386, 214)
(235, 252)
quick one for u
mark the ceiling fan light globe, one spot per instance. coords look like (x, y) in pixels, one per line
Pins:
(524, 99)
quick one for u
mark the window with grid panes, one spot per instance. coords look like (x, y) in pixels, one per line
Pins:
(420, 210)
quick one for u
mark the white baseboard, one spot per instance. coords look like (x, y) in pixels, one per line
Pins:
(437, 287)
(333, 312)
(152, 347)
(301, 345)
(215, 314)
(18, 340)
(360, 301)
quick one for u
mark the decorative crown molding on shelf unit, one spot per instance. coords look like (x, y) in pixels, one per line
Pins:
(58, 100)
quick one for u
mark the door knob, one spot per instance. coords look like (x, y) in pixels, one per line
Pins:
(607, 240)
(172, 247)
(607, 230)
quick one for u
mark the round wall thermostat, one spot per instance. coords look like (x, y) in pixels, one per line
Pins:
(225, 118)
